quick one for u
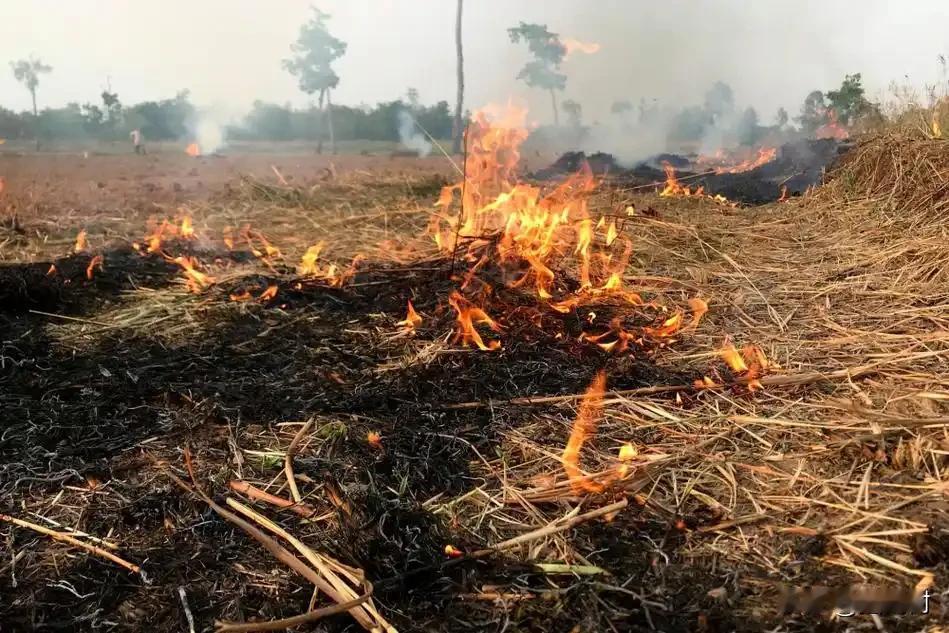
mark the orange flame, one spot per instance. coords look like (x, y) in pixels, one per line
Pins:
(576, 46)
(81, 243)
(194, 279)
(243, 295)
(268, 294)
(51, 271)
(95, 262)
(467, 316)
(732, 358)
(699, 308)
(187, 230)
(588, 417)
(374, 439)
(193, 150)
(729, 162)
(412, 318)
(453, 552)
(832, 129)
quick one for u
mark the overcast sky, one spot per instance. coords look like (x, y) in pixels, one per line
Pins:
(228, 52)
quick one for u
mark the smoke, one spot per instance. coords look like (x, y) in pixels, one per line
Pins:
(209, 126)
(410, 137)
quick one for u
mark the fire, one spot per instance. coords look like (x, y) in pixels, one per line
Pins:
(412, 318)
(308, 264)
(95, 262)
(832, 129)
(268, 294)
(187, 230)
(699, 308)
(467, 316)
(571, 46)
(584, 426)
(81, 243)
(194, 279)
(453, 552)
(784, 193)
(374, 439)
(51, 271)
(243, 295)
(937, 133)
(193, 150)
(731, 162)
(732, 358)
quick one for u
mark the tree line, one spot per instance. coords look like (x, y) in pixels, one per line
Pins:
(311, 63)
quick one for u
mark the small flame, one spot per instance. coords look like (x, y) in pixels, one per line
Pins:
(243, 295)
(584, 426)
(732, 358)
(453, 552)
(412, 318)
(576, 46)
(193, 150)
(81, 243)
(95, 262)
(832, 129)
(195, 279)
(784, 193)
(374, 439)
(467, 316)
(51, 271)
(611, 233)
(308, 265)
(669, 327)
(699, 308)
(937, 133)
(187, 230)
(268, 294)
(627, 452)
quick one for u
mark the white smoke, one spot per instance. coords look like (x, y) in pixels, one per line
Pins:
(410, 136)
(209, 135)
(208, 128)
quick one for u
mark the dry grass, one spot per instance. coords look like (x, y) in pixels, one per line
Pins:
(835, 471)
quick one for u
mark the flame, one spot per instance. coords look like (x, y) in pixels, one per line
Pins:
(588, 417)
(374, 439)
(453, 552)
(81, 243)
(308, 264)
(784, 193)
(187, 230)
(699, 308)
(243, 295)
(268, 294)
(611, 233)
(723, 162)
(937, 133)
(732, 358)
(51, 271)
(194, 279)
(467, 316)
(412, 318)
(193, 150)
(832, 129)
(571, 46)
(95, 262)
(669, 327)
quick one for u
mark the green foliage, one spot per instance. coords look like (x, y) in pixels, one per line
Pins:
(848, 101)
(28, 71)
(548, 54)
(813, 112)
(314, 52)
(162, 120)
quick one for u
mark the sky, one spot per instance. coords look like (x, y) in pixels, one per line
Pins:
(228, 52)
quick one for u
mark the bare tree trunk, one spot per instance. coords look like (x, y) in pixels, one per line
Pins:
(553, 101)
(457, 130)
(329, 119)
(319, 141)
(36, 120)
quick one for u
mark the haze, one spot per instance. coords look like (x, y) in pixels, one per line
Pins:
(228, 52)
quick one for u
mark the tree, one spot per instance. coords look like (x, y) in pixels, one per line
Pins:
(813, 112)
(574, 112)
(781, 118)
(457, 130)
(27, 72)
(621, 107)
(548, 54)
(314, 52)
(719, 101)
(747, 129)
(848, 101)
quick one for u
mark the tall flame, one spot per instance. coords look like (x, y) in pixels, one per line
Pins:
(412, 318)
(588, 417)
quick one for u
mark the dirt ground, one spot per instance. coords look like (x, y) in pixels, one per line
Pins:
(116, 379)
